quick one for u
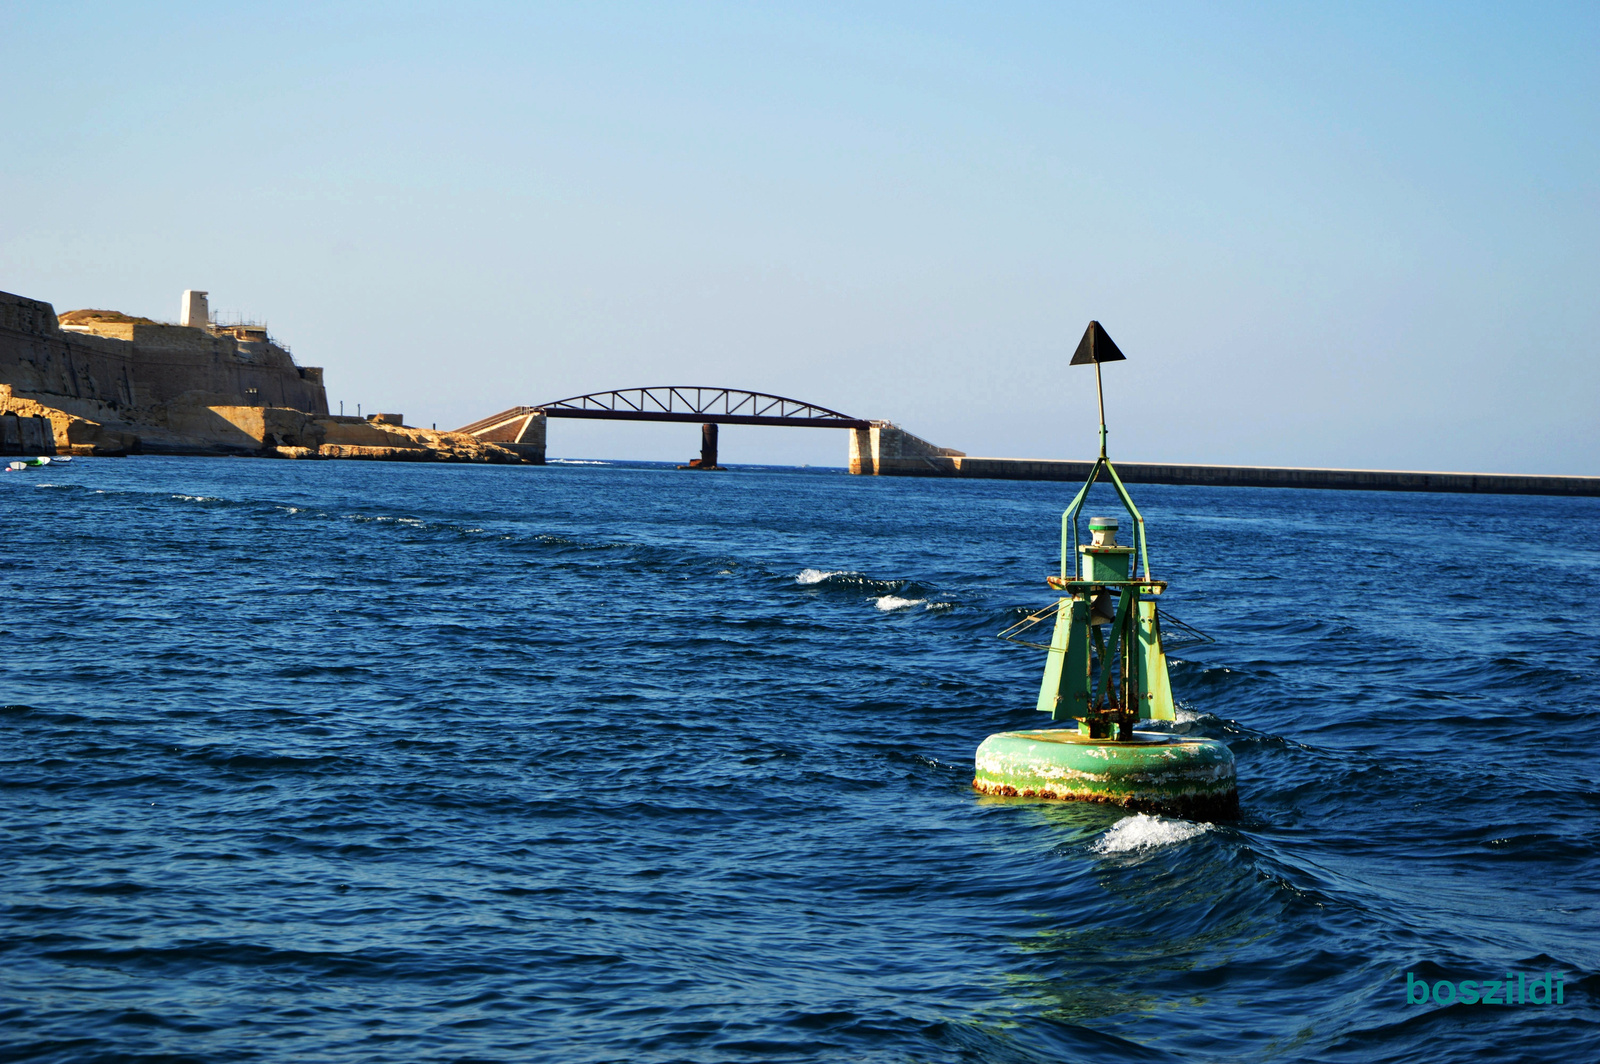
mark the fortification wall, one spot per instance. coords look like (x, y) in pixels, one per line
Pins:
(147, 365)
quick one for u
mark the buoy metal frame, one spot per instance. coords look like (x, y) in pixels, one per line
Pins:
(1106, 670)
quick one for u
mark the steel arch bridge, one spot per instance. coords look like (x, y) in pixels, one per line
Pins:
(522, 428)
(688, 403)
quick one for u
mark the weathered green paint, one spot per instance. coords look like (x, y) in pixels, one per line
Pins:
(1153, 772)
(1155, 689)
(1115, 650)
(1065, 691)
(1105, 563)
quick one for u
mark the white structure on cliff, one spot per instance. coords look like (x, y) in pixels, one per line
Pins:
(196, 313)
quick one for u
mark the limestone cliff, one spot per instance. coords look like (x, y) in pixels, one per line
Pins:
(114, 383)
(70, 434)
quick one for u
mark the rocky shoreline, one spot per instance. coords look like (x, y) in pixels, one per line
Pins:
(226, 430)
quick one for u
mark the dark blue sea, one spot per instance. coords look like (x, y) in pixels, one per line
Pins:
(349, 762)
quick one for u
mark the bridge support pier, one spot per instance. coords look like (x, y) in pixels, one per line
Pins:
(708, 446)
(708, 449)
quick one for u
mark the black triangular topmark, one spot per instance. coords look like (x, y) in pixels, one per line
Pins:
(1096, 346)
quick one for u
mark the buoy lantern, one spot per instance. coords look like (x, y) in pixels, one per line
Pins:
(1105, 671)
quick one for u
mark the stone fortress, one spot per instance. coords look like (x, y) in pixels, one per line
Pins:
(107, 383)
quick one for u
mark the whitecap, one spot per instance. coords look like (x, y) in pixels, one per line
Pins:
(1145, 832)
(574, 461)
(895, 602)
(817, 576)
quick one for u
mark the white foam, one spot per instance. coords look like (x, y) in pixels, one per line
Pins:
(817, 576)
(1184, 715)
(895, 602)
(574, 461)
(1145, 832)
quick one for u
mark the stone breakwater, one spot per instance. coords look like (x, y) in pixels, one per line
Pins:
(887, 450)
(108, 383)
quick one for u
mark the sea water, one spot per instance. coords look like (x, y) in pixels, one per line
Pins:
(354, 761)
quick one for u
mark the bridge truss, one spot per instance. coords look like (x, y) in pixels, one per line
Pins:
(684, 403)
(724, 406)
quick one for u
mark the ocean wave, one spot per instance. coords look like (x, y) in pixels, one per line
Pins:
(889, 603)
(858, 582)
(1142, 831)
(886, 595)
(817, 576)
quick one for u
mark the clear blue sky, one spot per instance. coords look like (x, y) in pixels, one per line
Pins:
(1325, 234)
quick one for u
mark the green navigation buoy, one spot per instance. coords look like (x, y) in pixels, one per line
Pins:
(1106, 670)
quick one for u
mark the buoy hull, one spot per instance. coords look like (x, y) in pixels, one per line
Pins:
(1155, 773)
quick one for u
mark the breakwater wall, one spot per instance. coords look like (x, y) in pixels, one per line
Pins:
(1239, 476)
